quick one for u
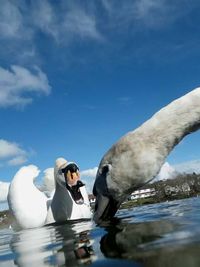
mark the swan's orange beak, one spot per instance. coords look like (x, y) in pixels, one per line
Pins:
(73, 185)
(72, 177)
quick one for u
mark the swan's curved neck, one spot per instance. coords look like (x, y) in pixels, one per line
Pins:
(178, 119)
(60, 190)
(61, 204)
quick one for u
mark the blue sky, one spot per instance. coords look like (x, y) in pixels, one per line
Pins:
(77, 75)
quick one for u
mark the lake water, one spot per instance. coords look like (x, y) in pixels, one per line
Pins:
(164, 234)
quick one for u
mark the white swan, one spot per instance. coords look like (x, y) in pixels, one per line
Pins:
(138, 156)
(31, 208)
(63, 205)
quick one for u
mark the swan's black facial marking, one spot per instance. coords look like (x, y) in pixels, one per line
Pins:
(76, 192)
(70, 179)
(100, 185)
(72, 167)
(106, 206)
(71, 174)
(105, 170)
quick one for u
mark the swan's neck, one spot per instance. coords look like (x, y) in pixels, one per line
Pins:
(62, 196)
(62, 204)
(168, 126)
(63, 207)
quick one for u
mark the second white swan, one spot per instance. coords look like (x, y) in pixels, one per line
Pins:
(31, 208)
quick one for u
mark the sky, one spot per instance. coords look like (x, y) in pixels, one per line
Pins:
(75, 76)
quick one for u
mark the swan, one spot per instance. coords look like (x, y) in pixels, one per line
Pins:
(32, 208)
(67, 204)
(138, 156)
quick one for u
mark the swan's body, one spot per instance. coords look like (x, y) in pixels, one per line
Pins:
(138, 156)
(26, 202)
(63, 207)
(31, 208)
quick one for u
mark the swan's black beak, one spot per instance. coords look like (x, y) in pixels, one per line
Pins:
(105, 208)
(75, 192)
(106, 204)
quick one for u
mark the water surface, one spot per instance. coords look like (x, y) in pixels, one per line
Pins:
(165, 234)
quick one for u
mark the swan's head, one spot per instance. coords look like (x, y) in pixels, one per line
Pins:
(113, 181)
(71, 173)
(121, 171)
(67, 175)
(107, 202)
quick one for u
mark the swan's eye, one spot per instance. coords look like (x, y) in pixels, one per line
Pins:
(105, 170)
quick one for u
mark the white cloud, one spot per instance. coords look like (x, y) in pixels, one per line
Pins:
(9, 149)
(10, 20)
(68, 20)
(44, 18)
(169, 172)
(61, 21)
(4, 191)
(80, 23)
(139, 15)
(48, 183)
(17, 160)
(64, 22)
(23, 23)
(90, 173)
(88, 176)
(188, 167)
(145, 12)
(12, 153)
(144, 8)
(166, 172)
(16, 83)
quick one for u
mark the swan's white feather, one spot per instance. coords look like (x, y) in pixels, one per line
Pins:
(31, 208)
(27, 203)
(138, 156)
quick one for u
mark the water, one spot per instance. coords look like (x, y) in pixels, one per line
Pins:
(165, 234)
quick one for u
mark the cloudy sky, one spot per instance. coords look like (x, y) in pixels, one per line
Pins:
(77, 75)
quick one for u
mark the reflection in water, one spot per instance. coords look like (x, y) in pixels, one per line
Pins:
(77, 248)
(68, 244)
(163, 235)
(126, 239)
(154, 243)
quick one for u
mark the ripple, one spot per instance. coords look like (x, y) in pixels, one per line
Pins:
(163, 234)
